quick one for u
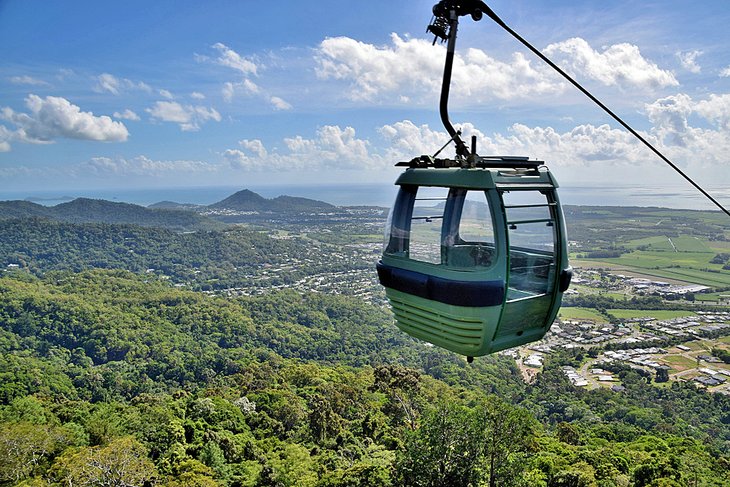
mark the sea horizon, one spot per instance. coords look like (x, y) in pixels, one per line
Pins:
(371, 194)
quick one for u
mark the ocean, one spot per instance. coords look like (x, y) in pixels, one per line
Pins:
(375, 195)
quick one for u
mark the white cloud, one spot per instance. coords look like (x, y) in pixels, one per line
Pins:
(715, 109)
(246, 67)
(333, 148)
(412, 68)
(255, 146)
(670, 118)
(228, 91)
(196, 95)
(27, 80)
(620, 64)
(688, 60)
(189, 117)
(5, 136)
(279, 104)
(411, 65)
(231, 59)
(111, 84)
(142, 166)
(247, 87)
(166, 94)
(725, 73)
(107, 82)
(127, 115)
(54, 117)
(582, 145)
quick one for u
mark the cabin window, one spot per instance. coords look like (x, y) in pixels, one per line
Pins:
(426, 223)
(443, 226)
(468, 230)
(531, 220)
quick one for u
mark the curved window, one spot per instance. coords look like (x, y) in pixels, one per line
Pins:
(442, 226)
(531, 228)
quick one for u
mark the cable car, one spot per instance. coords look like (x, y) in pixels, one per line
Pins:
(475, 257)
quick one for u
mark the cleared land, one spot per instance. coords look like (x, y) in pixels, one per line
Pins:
(659, 314)
(581, 314)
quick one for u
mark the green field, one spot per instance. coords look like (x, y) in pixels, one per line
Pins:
(581, 314)
(659, 314)
(659, 243)
(679, 363)
(713, 296)
(686, 266)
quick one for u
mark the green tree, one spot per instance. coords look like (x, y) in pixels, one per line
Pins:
(26, 448)
(122, 462)
(444, 451)
(509, 437)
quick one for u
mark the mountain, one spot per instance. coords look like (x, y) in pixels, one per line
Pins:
(85, 210)
(247, 200)
(244, 200)
(172, 205)
(22, 209)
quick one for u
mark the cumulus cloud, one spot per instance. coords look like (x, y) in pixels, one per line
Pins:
(142, 166)
(108, 83)
(332, 148)
(412, 68)
(27, 80)
(716, 109)
(618, 65)
(670, 118)
(189, 117)
(53, 117)
(254, 156)
(127, 115)
(255, 146)
(231, 59)
(688, 59)
(582, 145)
(196, 95)
(725, 73)
(166, 94)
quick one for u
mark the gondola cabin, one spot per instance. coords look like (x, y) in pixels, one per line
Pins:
(475, 259)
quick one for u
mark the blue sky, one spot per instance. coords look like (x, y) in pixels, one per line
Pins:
(143, 94)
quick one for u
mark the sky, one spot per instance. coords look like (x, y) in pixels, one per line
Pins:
(148, 94)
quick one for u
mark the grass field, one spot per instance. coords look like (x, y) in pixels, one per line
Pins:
(678, 363)
(581, 314)
(659, 243)
(713, 296)
(680, 266)
(659, 314)
(719, 245)
(687, 243)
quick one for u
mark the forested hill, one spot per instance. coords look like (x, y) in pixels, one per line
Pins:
(201, 259)
(115, 369)
(106, 373)
(84, 210)
(247, 200)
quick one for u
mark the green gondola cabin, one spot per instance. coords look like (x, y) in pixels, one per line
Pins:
(475, 259)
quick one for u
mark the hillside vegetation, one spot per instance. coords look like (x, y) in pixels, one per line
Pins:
(105, 369)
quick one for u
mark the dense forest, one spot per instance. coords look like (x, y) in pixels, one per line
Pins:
(203, 260)
(115, 378)
(86, 210)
